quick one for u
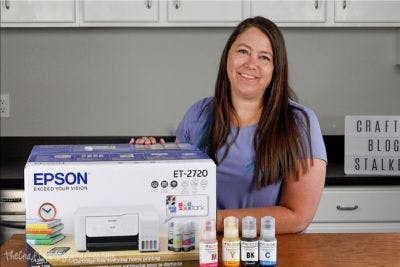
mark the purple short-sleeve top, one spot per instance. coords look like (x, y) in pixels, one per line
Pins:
(235, 184)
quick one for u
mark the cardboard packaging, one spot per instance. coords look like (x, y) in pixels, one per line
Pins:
(117, 204)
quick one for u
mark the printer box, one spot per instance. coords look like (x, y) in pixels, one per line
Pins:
(117, 204)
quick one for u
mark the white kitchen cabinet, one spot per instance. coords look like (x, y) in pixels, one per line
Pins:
(212, 11)
(367, 11)
(122, 13)
(20, 13)
(198, 13)
(303, 11)
(358, 209)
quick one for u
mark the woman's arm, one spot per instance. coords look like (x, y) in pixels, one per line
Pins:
(298, 204)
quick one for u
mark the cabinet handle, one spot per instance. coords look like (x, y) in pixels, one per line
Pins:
(7, 3)
(338, 207)
(344, 4)
(148, 4)
(177, 4)
(316, 4)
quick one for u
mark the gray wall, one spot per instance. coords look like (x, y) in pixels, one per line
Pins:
(137, 81)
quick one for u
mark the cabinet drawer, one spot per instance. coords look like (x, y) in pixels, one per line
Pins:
(367, 11)
(289, 11)
(62, 11)
(205, 11)
(359, 205)
(119, 11)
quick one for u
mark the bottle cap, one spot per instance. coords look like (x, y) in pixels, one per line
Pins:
(231, 227)
(249, 227)
(178, 228)
(208, 230)
(187, 227)
(267, 227)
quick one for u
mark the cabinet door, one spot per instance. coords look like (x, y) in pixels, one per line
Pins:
(373, 11)
(367, 227)
(119, 11)
(21, 11)
(205, 11)
(373, 204)
(289, 11)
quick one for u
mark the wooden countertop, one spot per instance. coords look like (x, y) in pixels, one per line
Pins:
(365, 249)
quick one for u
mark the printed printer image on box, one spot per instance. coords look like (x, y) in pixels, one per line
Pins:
(116, 228)
(117, 204)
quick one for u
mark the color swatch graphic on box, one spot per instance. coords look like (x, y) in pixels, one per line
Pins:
(44, 232)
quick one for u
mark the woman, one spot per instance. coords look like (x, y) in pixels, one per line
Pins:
(269, 151)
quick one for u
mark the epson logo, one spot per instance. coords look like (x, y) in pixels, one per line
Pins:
(59, 178)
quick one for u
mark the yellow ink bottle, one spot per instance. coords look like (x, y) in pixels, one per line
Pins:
(231, 243)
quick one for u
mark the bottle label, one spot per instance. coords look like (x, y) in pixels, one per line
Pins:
(177, 243)
(267, 252)
(186, 242)
(208, 254)
(231, 253)
(249, 250)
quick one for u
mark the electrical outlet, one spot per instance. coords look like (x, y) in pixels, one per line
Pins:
(5, 105)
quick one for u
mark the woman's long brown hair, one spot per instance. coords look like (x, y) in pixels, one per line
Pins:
(279, 141)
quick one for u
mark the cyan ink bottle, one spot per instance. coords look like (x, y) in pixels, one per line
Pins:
(208, 246)
(267, 242)
(249, 242)
(231, 243)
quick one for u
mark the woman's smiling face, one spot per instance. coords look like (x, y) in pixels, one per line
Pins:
(250, 64)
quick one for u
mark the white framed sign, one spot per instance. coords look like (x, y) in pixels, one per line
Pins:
(372, 145)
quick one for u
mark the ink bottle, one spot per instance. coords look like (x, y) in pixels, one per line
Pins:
(231, 243)
(171, 236)
(178, 237)
(208, 245)
(267, 242)
(249, 242)
(187, 232)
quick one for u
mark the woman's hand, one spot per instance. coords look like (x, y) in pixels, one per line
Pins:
(146, 141)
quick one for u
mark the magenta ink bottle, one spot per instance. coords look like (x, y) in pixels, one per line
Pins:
(208, 245)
